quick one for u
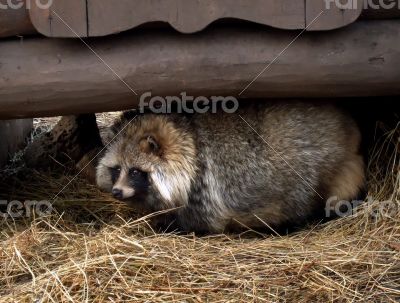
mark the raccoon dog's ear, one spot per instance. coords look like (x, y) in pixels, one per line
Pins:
(150, 145)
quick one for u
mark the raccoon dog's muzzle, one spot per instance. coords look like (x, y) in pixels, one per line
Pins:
(129, 183)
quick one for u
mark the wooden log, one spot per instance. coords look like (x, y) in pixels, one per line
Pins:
(13, 134)
(46, 77)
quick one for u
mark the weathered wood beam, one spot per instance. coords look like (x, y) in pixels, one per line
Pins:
(45, 77)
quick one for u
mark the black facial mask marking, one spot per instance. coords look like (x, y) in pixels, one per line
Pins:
(139, 180)
(115, 172)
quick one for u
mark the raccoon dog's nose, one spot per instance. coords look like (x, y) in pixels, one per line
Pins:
(117, 193)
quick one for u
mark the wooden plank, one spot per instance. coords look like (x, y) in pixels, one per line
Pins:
(64, 18)
(14, 22)
(13, 134)
(58, 77)
(186, 16)
(189, 16)
(331, 13)
(127, 14)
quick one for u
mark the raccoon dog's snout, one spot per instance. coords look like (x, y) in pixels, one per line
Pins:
(121, 193)
(117, 193)
(121, 189)
(127, 183)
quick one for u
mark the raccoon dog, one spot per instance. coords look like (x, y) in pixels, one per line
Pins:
(266, 165)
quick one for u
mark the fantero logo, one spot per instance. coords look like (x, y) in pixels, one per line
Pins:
(18, 209)
(18, 4)
(355, 4)
(341, 4)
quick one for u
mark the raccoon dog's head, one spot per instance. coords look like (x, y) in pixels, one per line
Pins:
(152, 160)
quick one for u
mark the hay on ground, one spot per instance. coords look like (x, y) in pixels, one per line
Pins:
(92, 249)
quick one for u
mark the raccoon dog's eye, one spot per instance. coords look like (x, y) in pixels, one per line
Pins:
(133, 172)
(139, 180)
(115, 172)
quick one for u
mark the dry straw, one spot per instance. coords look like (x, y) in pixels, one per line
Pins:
(92, 249)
